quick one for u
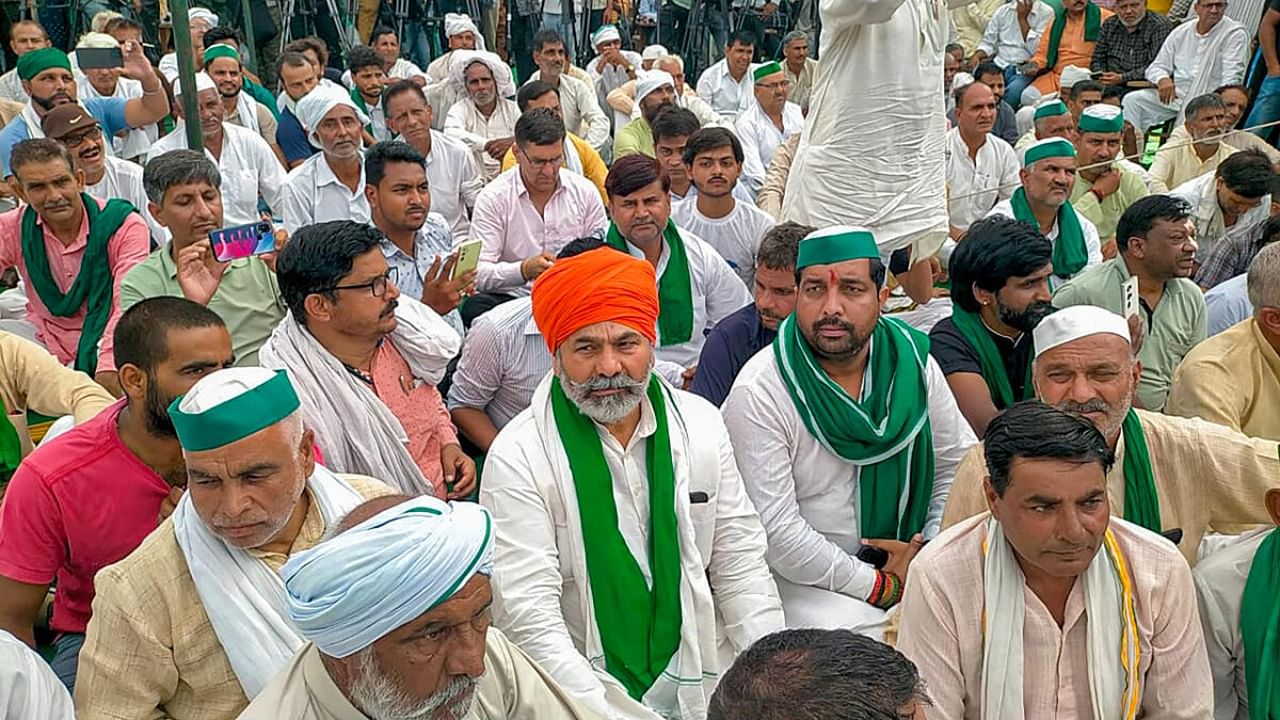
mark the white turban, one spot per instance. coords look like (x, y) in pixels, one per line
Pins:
(203, 82)
(652, 80)
(1075, 322)
(456, 24)
(462, 59)
(361, 584)
(28, 687)
(606, 33)
(315, 105)
(205, 14)
(653, 52)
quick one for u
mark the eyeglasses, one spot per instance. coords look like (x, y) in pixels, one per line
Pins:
(774, 85)
(75, 141)
(378, 285)
(539, 163)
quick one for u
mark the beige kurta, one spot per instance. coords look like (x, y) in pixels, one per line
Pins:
(150, 651)
(1231, 379)
(1208, 478)
(942, 614)
(513, 686)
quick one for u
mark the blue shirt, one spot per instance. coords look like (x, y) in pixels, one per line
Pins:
(1227, 303)
(292, 139)
(108, 111)
(729, 345)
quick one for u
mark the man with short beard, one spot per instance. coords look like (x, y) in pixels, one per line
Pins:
(55, 524)
(1104, 187)
(655, 92)
(395, 611)
(846, 435)
(999, 293)
(1088, 367)
(328, 185)
(634, 577)
(298, 76)
(484, 118)
(222, 64)
(193, 623)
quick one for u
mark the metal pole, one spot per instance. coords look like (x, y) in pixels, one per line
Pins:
(186, 73)
(250, 42)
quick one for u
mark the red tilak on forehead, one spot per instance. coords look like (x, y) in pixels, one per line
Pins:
(834, 279)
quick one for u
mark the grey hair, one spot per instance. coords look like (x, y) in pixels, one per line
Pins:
(793, 36)
(1200, 103)
(1264, 279)
(178, 167)
(670, 58)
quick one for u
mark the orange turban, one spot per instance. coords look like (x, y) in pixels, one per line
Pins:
(596, 286)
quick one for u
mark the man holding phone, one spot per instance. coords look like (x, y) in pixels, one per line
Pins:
(99, 59)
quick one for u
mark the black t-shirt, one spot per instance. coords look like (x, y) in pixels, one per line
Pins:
(955, 355)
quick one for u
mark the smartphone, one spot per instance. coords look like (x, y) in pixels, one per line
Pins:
(873, 556)
(468, 259)
(1131, 304)
(99, 58)
(242, 241)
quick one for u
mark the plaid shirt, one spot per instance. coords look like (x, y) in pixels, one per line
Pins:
(1129, 53)
(1232, 255)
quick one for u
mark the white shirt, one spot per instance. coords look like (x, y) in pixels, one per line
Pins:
(717, 293)
(466, 124)
(1092, 242)
(1183, 50)
(808, 497)
(136, 142)
(511, 229)
(994, 176)
(726, 96)
(400, 70)
(581, 109)
(735, 236)
(608, 78)
(249, 170)
(378, 121)
(11, 87)
(1220, 580)
(1003, 41)
(502, 362)
(313, 194)
(123, 179)
(455, 180)
(760, 139)
(1202, 193)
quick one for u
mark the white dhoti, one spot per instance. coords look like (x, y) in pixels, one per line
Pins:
(1143, 109)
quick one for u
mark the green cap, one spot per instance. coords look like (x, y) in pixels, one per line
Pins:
(1048, 148)
(221, 50)
(1102, 119)
(766, 70)
(836, 244)
(1051, 109)
(37, 61)
(231, 404)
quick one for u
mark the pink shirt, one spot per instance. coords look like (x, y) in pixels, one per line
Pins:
(129, 246)
(75, 506)
(419, 408)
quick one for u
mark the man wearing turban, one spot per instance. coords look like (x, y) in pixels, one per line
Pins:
(462, 34)
(395, 612)
(617, 506)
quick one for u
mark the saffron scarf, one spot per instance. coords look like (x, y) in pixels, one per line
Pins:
(675, 286)
(887, 434)
(1092, 23)
(639, 625)
(1259, 628)
(1141, 501)
(974, 330)
(92, 288)
(1069, 252)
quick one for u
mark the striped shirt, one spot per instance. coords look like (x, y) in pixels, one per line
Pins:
(503, 360)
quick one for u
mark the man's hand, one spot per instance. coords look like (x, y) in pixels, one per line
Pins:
(1030, 69)
(1137, 332)
(900, 553)
(442, 292)
(199, 273)
(170, 503)
(497, 148)
(687, 375)
(282, 237)
(1111, 78)
(459, 472)
(1168, 93)
(532, 267)
(1107, 183)
(136, 65)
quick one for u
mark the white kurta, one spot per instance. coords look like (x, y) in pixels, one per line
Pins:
(28, 687)
(727, 97)
(1183, 57)
(1220, 580)
(717, 293)
(249, 170)
(313, 194)
(135, 142)
(455, 180)
(123, 179)
(973, 188)
(467, 125)
(1092, 241)
(541, 588)
(808, 497)
(1003, 41)
(581, 109)
(735, 236)
(11, 87)
(859, 164)
(760, 139)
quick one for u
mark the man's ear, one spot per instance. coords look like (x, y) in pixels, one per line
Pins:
(133, 381)
(993, 498)
(1272, 501)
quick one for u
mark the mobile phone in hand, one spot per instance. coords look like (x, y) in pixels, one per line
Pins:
(99, 58)
(242, 241)
(873, 556)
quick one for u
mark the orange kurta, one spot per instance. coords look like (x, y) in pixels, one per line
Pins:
(1073, 49)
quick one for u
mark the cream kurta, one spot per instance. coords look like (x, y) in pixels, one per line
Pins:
(1220, 583)
(1208, 478)
(808, 497)
(150, 651)
(858, 164)
(513, 686)
(1231, 379)
(942, 612)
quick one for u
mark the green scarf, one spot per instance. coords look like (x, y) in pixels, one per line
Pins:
(358, 99)
(974, 330)
(1092, 23)
(639, 627)
(887, 435)
(1259, 628)
(1141, 500)
(262, 95)
(10, 445)
(92, 288)
(1069, 252)
(675, 287)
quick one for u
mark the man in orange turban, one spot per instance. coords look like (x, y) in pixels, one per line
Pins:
(612, 520)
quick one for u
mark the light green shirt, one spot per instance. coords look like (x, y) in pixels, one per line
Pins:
(1105, 215)
(247, 300)
(1177, 324)
(636, 138)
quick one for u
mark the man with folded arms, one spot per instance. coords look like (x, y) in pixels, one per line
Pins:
(395, 611)
(1104, 188)
(1086, 615)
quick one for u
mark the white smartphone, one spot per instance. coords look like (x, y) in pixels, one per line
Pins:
(1131, 304)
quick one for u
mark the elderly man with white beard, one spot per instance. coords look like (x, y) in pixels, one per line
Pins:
(395, 611)
(484, 118)
(330, 184)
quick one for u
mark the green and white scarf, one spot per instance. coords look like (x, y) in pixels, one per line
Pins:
(675, 286)
(1092, 24)
(886, 434)
(974, 330)
(1260, 628)
(1069, 251)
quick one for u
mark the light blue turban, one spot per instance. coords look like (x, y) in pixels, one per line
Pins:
(356, 587)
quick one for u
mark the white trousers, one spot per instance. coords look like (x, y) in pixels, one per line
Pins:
(806, 606)
(1143, 109)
